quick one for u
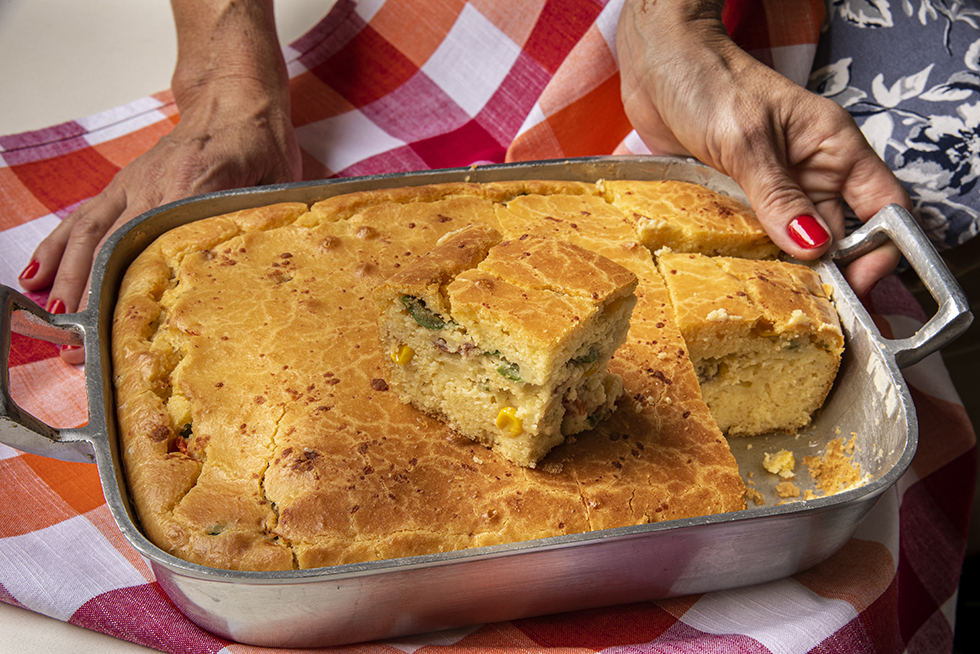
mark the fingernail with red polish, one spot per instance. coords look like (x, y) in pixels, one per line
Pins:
(31, 269)
(807, 232)
(69, 348)
(866, 296)
(56, 306)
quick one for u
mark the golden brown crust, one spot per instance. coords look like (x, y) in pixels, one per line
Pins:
(254, 335)
(428, 277)
(538, 289)
(784, 291)
(688, 217)
(537, 262)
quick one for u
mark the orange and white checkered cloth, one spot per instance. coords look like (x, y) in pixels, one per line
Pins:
(397, 85)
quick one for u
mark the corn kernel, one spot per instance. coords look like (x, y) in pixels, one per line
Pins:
(402, 355)
(508, 421)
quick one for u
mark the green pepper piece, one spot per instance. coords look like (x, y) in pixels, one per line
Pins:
(422, 314)
(511, 371)
(588, 357)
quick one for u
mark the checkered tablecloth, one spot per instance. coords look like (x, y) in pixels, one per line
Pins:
(547, 87)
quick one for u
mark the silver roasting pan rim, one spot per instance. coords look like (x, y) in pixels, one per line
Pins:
(96, 440)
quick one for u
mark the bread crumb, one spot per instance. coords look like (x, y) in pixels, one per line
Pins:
(721, 315)
(552, 467)
(781, 463)
(755, 496)
(797, 318)
(835, 472)
(787, 489)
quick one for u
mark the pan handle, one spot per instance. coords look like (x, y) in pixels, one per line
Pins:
(18, 428)
(953, 317)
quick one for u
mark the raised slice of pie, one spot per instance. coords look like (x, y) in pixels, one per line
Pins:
(507, 341)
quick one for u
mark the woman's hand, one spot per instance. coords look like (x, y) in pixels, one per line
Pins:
(232, 93)
(223, 144)
(689, 90)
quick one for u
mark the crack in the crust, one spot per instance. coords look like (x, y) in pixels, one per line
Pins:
(271, 531)
(175, 353)
(586, 505)
(168, 348)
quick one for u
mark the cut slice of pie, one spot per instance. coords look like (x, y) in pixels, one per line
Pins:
(507, 341)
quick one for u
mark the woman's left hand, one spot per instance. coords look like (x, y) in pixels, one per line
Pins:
(690, 90)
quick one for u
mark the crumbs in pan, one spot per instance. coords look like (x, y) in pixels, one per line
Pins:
(832, 473)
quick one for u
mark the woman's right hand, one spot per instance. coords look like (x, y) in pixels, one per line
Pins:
(234, 130)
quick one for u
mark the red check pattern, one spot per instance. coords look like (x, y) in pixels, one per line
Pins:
(405, 85)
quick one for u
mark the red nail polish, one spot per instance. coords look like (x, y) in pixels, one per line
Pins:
(807, 232)
(69, 348)
(56, 306)
(866, 296)
(31, 269)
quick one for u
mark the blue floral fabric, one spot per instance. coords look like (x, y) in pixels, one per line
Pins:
(909, 73)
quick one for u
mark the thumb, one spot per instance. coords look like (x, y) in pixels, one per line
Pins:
(788, 215)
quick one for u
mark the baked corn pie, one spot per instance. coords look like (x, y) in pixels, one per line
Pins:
(258, 429)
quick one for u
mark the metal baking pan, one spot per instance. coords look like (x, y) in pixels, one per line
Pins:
(381, 599)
